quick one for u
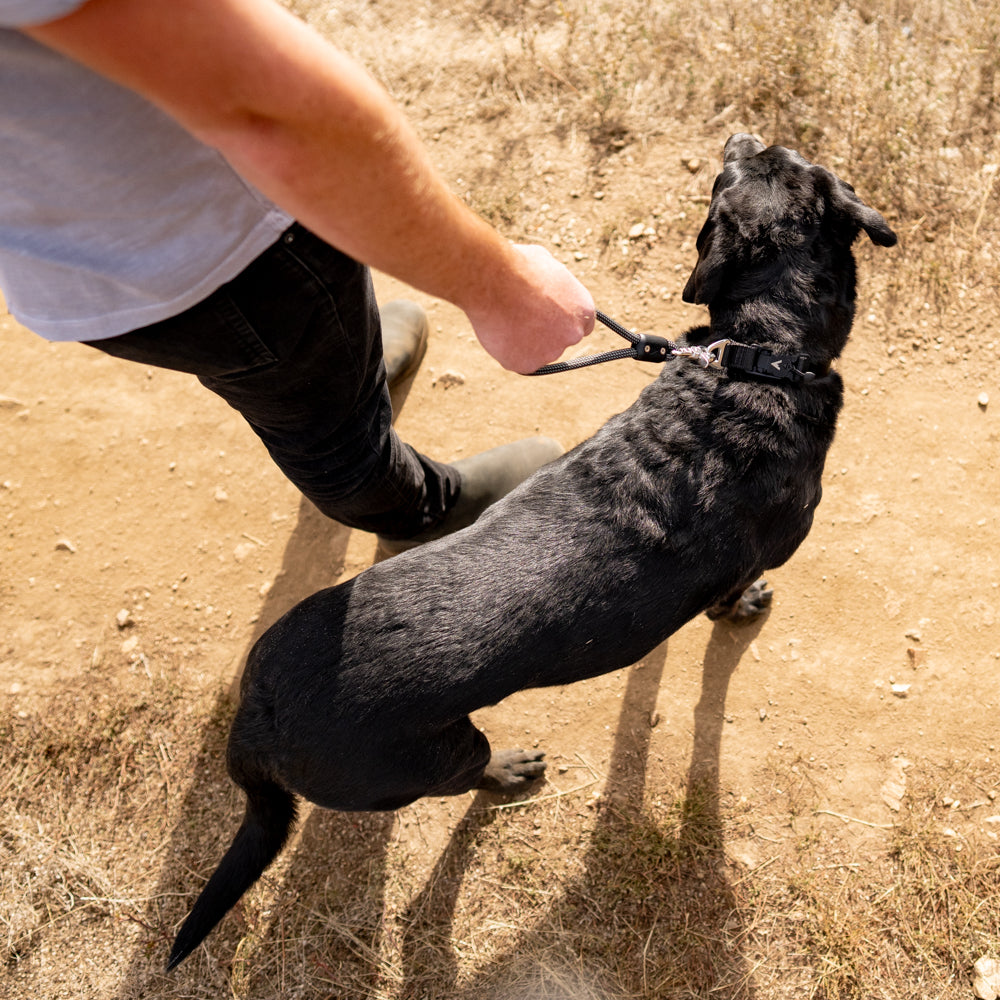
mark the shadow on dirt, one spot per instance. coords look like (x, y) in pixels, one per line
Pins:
(314, 558)
(654, 913)
(213, 806)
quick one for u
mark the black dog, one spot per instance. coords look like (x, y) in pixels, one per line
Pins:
(359, 697)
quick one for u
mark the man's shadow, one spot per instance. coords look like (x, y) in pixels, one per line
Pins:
(213, 807)
(314, 558)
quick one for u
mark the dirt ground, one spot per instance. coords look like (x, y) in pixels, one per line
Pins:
(148, 539)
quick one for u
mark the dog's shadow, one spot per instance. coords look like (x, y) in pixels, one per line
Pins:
(654, 903)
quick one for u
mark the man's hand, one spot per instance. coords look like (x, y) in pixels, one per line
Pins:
(539, 310)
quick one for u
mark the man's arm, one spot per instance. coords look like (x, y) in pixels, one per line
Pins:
(307, 126)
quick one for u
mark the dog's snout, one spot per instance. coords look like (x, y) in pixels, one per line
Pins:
(740, 146)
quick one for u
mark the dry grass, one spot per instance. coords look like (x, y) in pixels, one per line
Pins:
(569, 897)
(903, 98)
(102, 838)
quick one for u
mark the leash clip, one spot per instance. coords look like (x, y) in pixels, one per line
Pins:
(707, 357)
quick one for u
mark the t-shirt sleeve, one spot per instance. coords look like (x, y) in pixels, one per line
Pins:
(22, 13)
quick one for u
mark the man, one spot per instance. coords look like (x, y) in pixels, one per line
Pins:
(194, 184)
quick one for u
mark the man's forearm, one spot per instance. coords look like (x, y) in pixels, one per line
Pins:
(309, 127)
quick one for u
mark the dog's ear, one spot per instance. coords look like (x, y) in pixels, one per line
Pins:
(842, 199)
(706, 278)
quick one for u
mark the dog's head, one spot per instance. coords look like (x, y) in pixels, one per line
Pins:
(775, 217)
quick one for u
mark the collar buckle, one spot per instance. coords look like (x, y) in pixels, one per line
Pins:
(759, 362)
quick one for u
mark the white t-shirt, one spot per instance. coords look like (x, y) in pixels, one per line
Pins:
(112, 216)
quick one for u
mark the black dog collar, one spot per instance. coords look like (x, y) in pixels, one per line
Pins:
(757, 362)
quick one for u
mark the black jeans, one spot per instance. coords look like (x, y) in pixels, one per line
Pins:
(294, 344)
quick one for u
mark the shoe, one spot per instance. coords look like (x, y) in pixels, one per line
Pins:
(484, 479)
(404, 339)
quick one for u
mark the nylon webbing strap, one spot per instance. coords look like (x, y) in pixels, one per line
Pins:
(763, 363)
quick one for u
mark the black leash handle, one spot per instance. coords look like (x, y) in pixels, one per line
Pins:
(645, 347)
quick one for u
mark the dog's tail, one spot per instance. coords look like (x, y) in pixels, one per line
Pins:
(269, 817)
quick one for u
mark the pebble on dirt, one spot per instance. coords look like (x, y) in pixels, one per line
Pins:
(983, 400)
(986, 984)
(65, 545)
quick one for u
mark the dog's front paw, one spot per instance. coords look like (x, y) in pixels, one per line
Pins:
(752, 602)
(511, 770)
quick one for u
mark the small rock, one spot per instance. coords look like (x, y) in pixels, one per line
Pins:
(918, 657)
(65, 545)
(981, 988)
(762, 713)
(636, 231)
(243, 550)
(693, 163)
(983, 400)
(913, 634)
(10, 403)
(124, 619)
(654, 719)
(129, 645)
(900, 690)
(221, 495)
(894, 787)
(986, 984)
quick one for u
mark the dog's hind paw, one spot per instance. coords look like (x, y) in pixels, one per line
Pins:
(752, 602)
(511, 770)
